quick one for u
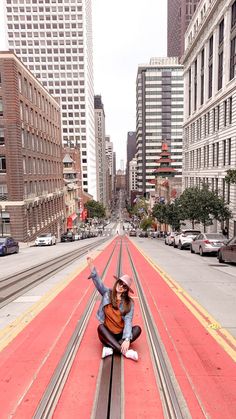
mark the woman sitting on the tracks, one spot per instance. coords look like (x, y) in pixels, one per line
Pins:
(116, 314)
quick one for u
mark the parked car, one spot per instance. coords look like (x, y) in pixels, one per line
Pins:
(227, 253)
(207, 243)
(169, 240)
(133, 233)
(8, 245)
(68, 236)
(46, 239)
(184, 239)
(143, 233)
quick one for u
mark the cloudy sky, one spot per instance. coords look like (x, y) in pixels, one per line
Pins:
(126, 33)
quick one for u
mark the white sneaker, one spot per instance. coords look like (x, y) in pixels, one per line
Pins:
(131, 354)
(106, 351)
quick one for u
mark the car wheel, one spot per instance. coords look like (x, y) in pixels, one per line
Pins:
(201, 253)
(180, 246)
(221, 260)
(175, 245)
(191, 250)
(4, 251)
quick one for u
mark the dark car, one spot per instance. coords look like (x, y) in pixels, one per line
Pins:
(133, 233)
(68, 237)
(227, 253)
(143, 233)
(8, 245)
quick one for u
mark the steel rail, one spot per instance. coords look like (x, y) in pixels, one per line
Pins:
(54, 389)
(13, 286)
(172, 404)
(108, 400)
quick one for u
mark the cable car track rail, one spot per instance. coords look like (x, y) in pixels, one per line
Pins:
(13, 286)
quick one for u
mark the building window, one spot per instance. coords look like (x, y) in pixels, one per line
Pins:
(189, 91)
(1, 107)
(2, 164)
(202, 75)
(233, 15)
(224, 152)
(218, 117)
(195, 85)
(232, 58)
(2, 139)
(230, 109)
(229, 151)
(225, 113)
(220, 70)
(210, 67)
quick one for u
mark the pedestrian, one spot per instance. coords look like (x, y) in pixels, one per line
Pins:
(225, 231)
(115, 315)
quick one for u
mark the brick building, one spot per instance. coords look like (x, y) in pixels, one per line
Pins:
(179, 15)
(31, 171)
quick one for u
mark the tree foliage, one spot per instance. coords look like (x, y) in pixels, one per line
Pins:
(146, 223)
(231, 176)
(141, 208)
(95, 209)
(198, 205)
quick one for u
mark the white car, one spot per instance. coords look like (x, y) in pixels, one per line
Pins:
(46, 239)
(184, 239)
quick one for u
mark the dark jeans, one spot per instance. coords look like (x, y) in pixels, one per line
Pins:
(114, 341)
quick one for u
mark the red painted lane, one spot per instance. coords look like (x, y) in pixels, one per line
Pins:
(79, 392)
(142, 396)
(36, 351)
(201, 366)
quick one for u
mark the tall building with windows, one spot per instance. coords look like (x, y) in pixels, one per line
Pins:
(209, 145)
(54, 39)
(100, 150)
(131, 151)
(159, 110)
(31, 171)
(179, 14)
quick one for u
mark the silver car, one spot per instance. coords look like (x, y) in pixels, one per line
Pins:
(207, 243)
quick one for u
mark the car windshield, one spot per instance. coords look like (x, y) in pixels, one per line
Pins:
(191, 233)
(215, 236)
(2, 239)
(45, 235)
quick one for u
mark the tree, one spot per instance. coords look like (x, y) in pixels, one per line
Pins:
(231, 176)
(202, 206)
(95, 209)
(146, 223)
(141, 208)
(159, 211)
(174, 214)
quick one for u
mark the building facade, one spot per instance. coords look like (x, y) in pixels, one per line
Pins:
(73, 186)
(31, 176)
(132, 176)
(131, 151)
(100, 150)
(159, 110)
(54, 40)
(209, 145)
(179, 15)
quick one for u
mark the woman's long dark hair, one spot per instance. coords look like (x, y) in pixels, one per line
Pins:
(126, 299)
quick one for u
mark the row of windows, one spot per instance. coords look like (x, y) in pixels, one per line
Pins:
(208, 66)
(35, 143)
(209, 156)
(38, 121)
(40, 9)
(211, 122)
(41, 187)
(44, 42)
(37, 98)
(35, 166)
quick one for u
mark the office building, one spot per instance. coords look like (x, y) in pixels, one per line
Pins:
(159, 117)
(209, 144)
(179, 15)
(100, 150)
(54, 40)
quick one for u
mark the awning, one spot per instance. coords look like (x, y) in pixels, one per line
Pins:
(70, 220)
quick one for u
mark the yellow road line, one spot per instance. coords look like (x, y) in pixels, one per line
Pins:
(221, 335)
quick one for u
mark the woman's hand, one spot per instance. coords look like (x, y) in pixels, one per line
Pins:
(125, 346)
(90, 263)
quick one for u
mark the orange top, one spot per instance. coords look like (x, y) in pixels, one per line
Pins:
(113, 319)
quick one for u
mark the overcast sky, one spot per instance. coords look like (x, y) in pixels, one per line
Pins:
(126, 33)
